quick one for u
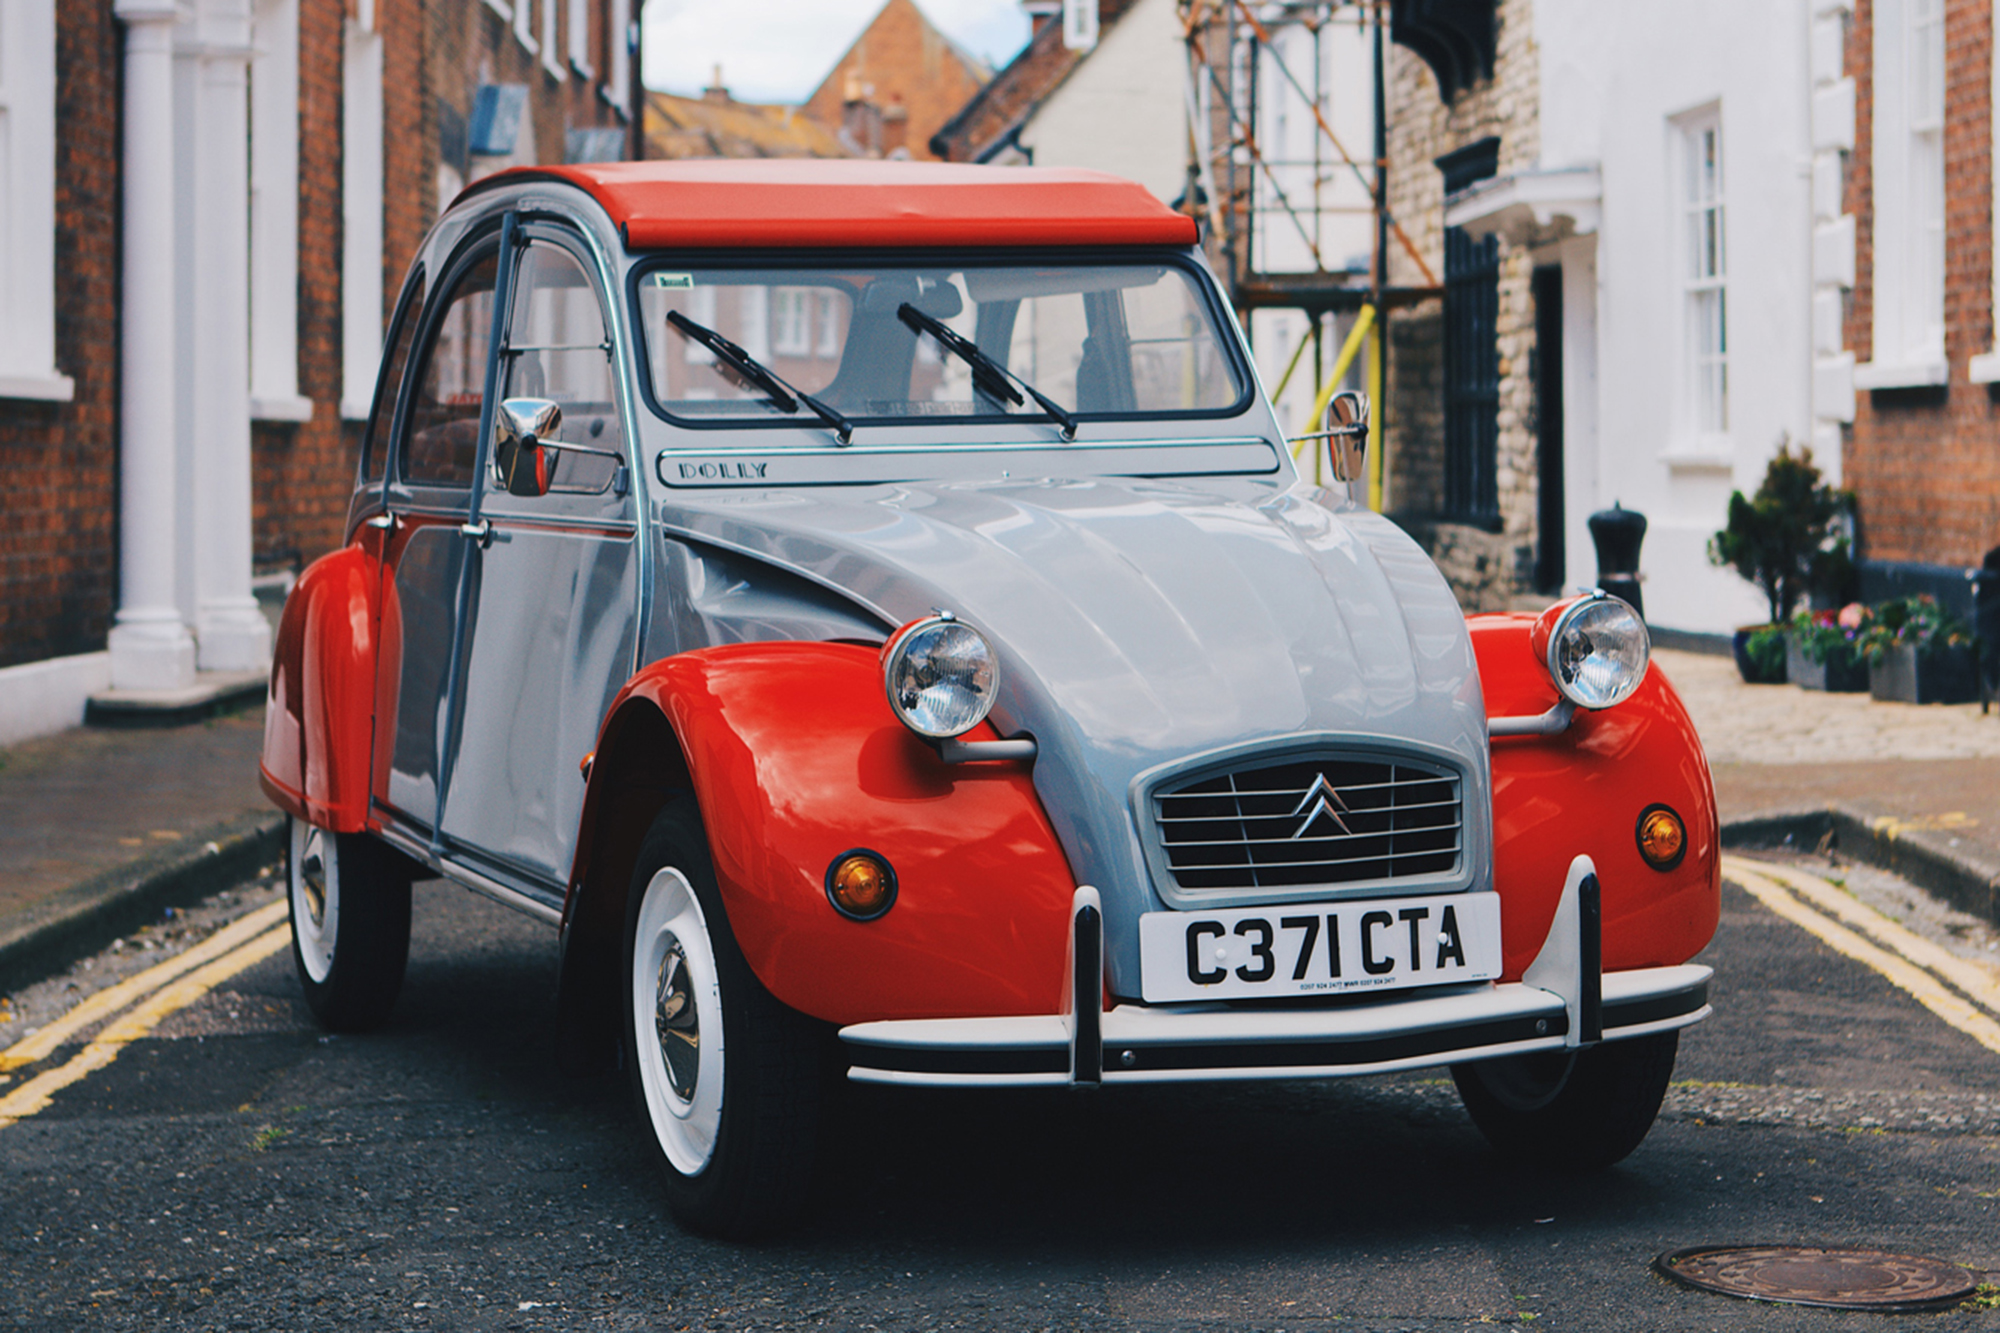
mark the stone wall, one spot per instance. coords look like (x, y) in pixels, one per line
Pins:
(1485, 568)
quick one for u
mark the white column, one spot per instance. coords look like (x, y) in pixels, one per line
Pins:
(231, 632)
(151, 648)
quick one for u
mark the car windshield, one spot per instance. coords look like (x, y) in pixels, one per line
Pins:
(1101, 340)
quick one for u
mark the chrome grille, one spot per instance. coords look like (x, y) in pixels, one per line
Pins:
(1335, 820)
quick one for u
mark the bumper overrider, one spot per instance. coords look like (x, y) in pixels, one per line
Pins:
(1564, 1000)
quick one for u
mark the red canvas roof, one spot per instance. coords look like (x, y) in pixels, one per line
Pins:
(805, 201)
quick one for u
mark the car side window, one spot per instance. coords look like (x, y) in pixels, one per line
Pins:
(442, 439)
(557, 349)
(375, 440)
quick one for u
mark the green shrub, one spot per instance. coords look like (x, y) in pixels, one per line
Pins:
(1790, 539)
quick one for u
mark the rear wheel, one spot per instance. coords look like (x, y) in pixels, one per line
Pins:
(1580, 1110)
(726, 1078)
(350, 898)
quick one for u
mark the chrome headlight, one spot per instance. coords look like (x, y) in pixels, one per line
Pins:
(941, 676)
(1597, 651)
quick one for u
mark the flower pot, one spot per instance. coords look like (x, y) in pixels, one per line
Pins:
(1769, 671)
(1843, 672)
(1934, 676)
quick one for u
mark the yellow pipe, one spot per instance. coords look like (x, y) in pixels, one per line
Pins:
(1381, 440)
(1348, 351)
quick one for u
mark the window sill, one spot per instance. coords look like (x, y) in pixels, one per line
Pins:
(49, 388)
(1984, 369)
(352, 411)
(289, 407)
(1700, 456)
(502, 8)
(583, 68)
(1918, 374)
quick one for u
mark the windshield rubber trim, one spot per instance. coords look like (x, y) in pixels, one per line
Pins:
(823, 259)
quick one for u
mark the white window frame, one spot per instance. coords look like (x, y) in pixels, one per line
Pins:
(1908, 185)
(791, 321)
(616, 90)
(552, 60)
(274, 215)
(579, 39)
(1701, 236)
(361, 160)
(524, 24)
(28, 203)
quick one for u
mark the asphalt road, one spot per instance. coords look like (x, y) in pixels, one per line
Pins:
(235, 1169)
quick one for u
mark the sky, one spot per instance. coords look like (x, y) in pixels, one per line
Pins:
(780, 50)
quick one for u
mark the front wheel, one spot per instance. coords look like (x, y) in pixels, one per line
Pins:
(350, 897)
(1579, 1110)
(726, 1078)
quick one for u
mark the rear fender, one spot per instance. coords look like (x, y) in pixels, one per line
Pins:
(320, 714)
(794, 758)
(1583, 791)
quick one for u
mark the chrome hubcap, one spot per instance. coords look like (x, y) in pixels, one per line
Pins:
(677, 1022)
(312, 876)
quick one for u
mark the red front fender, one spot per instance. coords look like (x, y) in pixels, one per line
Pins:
(795, 758)
(321, 708)
(1583, 792)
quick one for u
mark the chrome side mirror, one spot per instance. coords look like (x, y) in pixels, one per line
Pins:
(1346, 433)
(522, 462)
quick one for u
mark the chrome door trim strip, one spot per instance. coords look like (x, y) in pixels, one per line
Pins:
(500, 893)
(419, 850)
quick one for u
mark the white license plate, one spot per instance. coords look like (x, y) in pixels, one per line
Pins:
(1319, 948)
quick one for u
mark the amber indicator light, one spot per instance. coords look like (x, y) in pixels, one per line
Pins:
(1662, 837)
(860, 884)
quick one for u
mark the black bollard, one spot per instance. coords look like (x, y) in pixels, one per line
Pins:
(1617, 533)
(1986, 625)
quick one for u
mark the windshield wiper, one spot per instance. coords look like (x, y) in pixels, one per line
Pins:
(785, 397)
(988, 376)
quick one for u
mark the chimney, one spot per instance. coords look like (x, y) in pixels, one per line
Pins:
(860, 118)
(1040, 12)
(895, 127)
(716, 91)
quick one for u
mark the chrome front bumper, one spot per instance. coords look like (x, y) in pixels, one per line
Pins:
(1563, 1001)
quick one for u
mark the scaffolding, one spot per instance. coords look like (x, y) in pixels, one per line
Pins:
(1280, 96)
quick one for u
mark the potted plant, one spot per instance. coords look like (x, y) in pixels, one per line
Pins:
(1822, 650)
(1919, 653)
(1787, 539)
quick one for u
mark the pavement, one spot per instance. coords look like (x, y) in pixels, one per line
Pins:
(102, 829)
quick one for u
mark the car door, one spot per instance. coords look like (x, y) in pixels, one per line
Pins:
(429, 564)
(554, 605)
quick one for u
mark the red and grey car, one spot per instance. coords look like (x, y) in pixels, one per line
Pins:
(871, 613)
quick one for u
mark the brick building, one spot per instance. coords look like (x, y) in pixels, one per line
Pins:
(1906, 364)
(206, 212)
(896, 85)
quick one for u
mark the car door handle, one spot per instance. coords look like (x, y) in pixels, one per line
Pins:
(481, 532)
(386, 522)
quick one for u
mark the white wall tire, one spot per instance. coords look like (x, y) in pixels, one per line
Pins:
(350, 901)
(735, 1128)
(674, 991)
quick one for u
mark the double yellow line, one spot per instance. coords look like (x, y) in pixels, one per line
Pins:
(1957, 990)
(153, 994)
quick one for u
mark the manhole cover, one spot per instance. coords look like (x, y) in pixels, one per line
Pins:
(1808, 1275)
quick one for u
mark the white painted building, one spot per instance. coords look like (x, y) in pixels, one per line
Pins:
(1673, 188)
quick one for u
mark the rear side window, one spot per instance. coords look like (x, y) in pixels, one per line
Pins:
(402, 333)
(443, 431)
